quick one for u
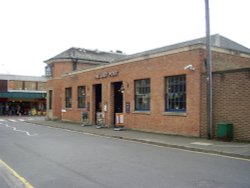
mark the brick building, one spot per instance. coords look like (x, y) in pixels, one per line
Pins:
(22, 95)
(160, 90)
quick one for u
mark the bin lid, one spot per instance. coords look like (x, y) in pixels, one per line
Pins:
(224, 123)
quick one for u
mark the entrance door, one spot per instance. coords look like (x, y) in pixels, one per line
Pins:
(118, 101)
(98, 104)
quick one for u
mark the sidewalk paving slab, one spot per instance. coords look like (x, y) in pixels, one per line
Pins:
(231, 149)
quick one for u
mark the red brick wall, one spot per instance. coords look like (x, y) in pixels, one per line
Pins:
(225, 61)
(156, 69)
(61, 68)
(81, 66)
(56, 87)
(232, 101)
(231, 92)
(204, 115)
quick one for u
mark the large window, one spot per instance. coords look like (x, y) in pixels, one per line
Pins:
(48, 70)
(50, 99)
(81, 99)
(68, 97)
(142, 95)
(175, 93)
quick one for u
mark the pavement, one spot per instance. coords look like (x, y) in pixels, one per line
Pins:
(217, 147)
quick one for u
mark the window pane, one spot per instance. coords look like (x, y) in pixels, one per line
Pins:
(50, 99)
(175, 96)
(81, 99)
(68, 97)
(142, 94)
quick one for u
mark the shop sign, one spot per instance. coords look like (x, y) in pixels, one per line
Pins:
(119, 120)
(107, 74)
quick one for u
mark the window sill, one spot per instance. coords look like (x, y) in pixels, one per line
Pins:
(68, 109)
(184, 114)
(81, 108)
(142, 112)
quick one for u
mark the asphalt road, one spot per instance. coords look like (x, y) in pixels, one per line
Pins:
(55, 158)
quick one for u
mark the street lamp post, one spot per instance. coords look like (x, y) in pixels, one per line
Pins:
(209, 74)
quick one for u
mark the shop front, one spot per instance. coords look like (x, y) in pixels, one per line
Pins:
(160, 90)
(22, 103)
(160, 98)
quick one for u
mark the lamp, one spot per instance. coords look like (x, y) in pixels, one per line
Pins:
(121, 89)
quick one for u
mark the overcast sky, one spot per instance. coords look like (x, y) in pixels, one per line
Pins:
(33, 31)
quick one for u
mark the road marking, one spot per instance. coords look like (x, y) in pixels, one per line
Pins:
(14, 173)
(2, 120)
(17, 130)
(13, 120)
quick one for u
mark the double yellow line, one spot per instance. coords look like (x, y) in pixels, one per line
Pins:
(14, 173)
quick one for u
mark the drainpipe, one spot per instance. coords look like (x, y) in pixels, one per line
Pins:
(209, 75)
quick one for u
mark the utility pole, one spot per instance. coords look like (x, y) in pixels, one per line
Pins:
(209, 75)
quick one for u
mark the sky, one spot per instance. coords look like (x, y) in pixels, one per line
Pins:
(33, 31)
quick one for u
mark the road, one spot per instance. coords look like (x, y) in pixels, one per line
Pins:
(56, 158)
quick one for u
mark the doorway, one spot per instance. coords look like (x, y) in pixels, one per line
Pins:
(98, 103)
(118, 100)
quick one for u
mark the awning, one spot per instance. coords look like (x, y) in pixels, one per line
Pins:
(22, 95)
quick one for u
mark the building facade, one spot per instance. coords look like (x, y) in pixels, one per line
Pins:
(161, 90)
(22, 95)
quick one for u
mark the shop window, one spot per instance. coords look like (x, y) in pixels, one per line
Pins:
(68, 97)
(81, 97)
(142, 95)
(175, 93)
(50, 99)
